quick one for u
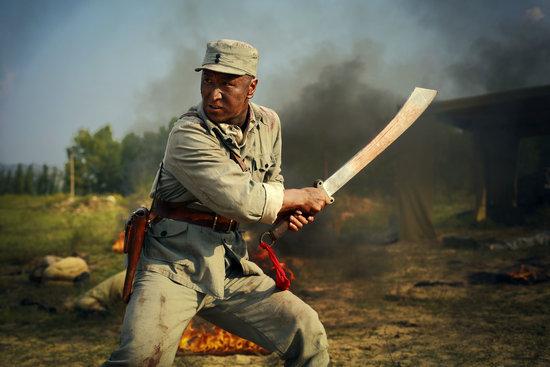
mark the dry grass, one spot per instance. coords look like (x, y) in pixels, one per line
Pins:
(365, 296)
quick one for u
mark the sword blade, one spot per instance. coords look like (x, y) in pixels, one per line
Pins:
(417, 103)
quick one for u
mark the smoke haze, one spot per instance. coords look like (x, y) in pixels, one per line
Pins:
(132, 64)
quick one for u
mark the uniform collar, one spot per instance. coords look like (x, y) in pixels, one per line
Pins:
(254, 116)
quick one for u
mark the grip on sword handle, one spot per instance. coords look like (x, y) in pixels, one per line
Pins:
(319, 184)
(281, 225)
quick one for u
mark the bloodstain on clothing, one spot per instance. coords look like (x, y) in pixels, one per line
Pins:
(154, 360)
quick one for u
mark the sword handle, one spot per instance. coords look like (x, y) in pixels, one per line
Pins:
(281, 225)
(319, 184)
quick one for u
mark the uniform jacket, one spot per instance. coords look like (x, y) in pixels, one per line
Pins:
(197, 169)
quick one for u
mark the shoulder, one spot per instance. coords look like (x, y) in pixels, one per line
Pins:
(190, 128)
(189, 119)
(267, 115)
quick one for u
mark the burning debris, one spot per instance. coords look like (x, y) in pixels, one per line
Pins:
(522, 274)
(467, 242)
(118, 245)
(201, 337)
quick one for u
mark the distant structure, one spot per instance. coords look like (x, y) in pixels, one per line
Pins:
(499, 124)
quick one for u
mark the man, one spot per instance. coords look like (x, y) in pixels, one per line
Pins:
(222, 166)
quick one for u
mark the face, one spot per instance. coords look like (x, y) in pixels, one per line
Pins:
(225, 96)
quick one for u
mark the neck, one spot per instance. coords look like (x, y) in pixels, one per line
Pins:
(240, 120)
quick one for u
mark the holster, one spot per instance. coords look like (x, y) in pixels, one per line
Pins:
(134, 235)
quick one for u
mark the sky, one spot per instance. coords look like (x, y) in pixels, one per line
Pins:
(72, 64)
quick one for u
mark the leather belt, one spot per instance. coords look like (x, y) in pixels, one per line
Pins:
(178, 211)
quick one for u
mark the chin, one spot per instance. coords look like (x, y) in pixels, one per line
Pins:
(216, 116)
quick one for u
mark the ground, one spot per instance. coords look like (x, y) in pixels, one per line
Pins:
(368, 296)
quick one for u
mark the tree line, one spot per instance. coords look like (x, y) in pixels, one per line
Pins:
(31, 180)
(103, 164)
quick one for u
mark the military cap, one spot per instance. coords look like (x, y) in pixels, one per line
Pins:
(230, 57)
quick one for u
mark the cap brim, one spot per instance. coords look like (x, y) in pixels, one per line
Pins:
(222, 69)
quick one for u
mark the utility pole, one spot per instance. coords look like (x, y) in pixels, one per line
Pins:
(71, 172)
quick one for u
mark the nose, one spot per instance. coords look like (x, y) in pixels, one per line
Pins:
(216, 94)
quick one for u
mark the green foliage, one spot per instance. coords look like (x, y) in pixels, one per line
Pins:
(97, 161)
(19, 181)
(103, 164)
(141, 156)
(42, 184)
(26, 180)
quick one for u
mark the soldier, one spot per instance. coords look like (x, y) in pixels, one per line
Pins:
(222, 166)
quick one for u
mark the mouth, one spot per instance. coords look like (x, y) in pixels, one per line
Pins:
(214, 107)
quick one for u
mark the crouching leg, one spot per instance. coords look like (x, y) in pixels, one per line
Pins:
(278, 321)
(158, 312)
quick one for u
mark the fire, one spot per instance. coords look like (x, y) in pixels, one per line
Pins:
(118, 246)
(205, 338)
(524, 274)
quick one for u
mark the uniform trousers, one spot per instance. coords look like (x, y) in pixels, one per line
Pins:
(253, 308)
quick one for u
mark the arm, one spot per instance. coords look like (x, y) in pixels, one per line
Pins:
(300, 204)
(197, 160)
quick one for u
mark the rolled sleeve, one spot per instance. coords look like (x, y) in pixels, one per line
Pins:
(274, 193)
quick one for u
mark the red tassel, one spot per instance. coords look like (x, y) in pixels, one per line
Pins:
(281, 280)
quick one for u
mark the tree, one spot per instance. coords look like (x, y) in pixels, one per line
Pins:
(3, 175)
(43, 181)
(97, 162)
(8, 183)
(54, 184)
(28, 186)
(19, 180)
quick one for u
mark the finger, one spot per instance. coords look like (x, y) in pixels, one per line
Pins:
(296, 222)
(303, 219)
(311, 218)
(292, 227)
(298, 212)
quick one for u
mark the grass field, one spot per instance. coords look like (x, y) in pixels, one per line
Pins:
(367, 296)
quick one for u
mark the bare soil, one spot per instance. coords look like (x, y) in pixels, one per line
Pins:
(367, 299)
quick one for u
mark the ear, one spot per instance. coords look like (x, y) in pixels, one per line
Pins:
(252, 88)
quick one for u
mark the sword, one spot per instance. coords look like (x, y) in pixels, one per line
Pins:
(415, 105)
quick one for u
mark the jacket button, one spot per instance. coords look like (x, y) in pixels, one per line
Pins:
(163, 233)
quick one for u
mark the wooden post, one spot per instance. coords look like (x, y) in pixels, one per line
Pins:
(71, 172)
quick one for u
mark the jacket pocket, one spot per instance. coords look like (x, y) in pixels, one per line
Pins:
(167, 228)
(168, 241)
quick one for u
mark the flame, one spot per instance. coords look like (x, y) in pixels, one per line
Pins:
(523, 274)
(205, 338)
(118, 246)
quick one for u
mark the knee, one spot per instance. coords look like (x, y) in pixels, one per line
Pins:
(309, 344)
(311, 328)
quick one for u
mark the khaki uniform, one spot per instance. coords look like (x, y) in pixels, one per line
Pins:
(188, 269)
(103, 296)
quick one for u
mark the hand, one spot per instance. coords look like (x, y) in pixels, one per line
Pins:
(309, 200)
(298, 220)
